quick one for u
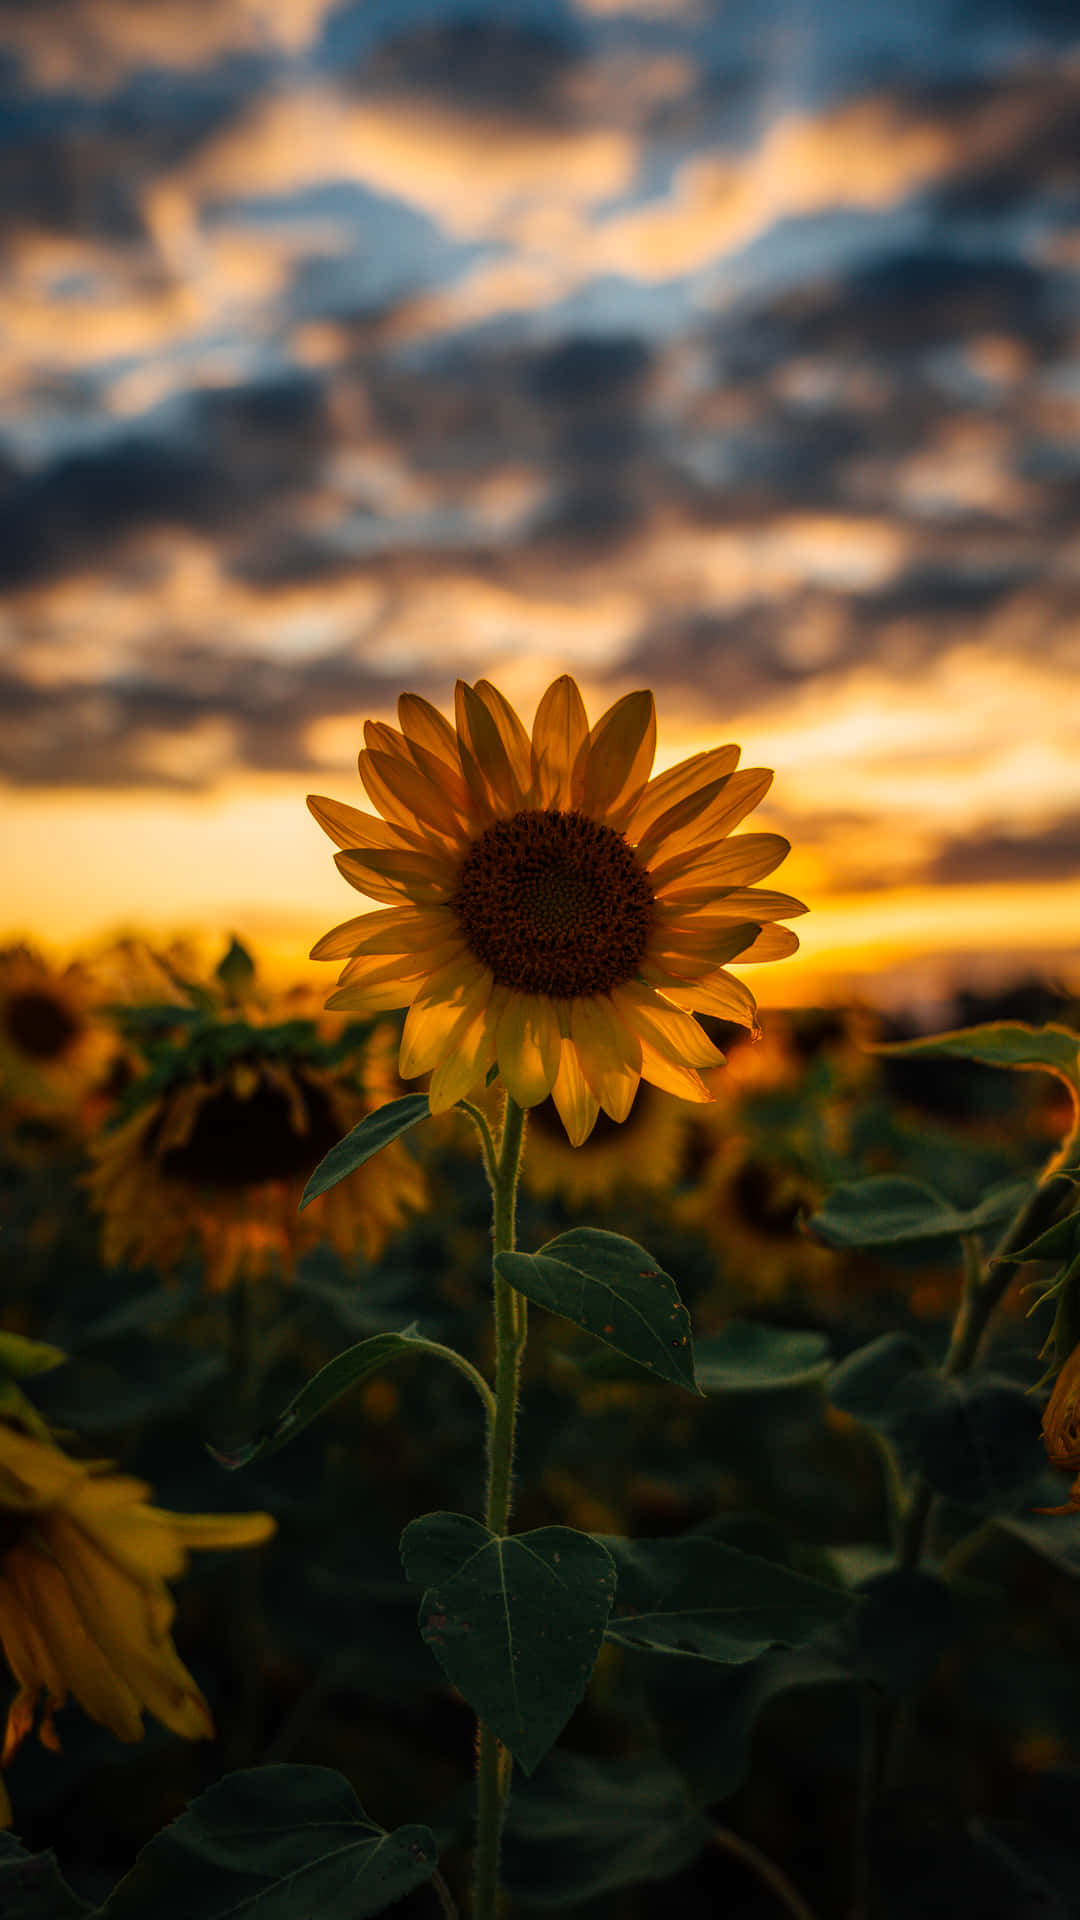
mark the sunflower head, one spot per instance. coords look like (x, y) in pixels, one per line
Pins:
(55, 1048)
(214, 1141)
(550, 909)
(84, 1606)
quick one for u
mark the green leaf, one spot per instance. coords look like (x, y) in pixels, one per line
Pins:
(345, 1370)
(889, 1210)
(584, 1828)
(274, 1843)
(32, 1886)
(747, 1357)
(708, 1601)
(615, 1290)
(975, 1437)
(1001, 1043)
(20, 1358)
(374, 1132)
(1059, 1242)
(515, 1623)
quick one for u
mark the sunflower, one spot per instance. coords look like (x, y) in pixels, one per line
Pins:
(551, 910)
(84, 1608)
(54, 1049)
(216, 1143)
(645, 1153)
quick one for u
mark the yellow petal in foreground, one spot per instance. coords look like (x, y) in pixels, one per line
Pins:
(84, 1609)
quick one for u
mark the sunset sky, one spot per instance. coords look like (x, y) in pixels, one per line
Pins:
(725, 349)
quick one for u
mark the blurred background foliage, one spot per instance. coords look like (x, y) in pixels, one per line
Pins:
(159, 1121)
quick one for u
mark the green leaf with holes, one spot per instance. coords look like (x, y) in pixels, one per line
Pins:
(373, 1133)
(615, 1290)
(515, 1623)
(274, 1843)
(708, 1601)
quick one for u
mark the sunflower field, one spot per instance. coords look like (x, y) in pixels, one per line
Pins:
(523, 1432)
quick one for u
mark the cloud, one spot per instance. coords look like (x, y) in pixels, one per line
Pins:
(1000, 855)
(93, 45)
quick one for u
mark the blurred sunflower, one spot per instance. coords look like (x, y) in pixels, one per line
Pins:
(552, 910)
(747, 1203)
(54, 1047)
(84, 1608)
(645, 1152)
(215, 1141)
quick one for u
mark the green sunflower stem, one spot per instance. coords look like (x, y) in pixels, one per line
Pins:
(493, 1762)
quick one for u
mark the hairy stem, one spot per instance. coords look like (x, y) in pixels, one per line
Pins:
(493, 1772)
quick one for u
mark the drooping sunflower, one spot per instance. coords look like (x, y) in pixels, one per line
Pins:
(550, 909)
(216, 1141)
(84, 1608)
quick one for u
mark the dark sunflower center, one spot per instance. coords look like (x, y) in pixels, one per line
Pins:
(554, 903)
(240, 1143)
(39, 1024)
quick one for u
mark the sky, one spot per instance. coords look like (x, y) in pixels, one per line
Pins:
(350, 346)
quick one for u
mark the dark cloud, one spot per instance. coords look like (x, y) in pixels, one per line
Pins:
(494, 66)
(240, 450)
(1051, 854)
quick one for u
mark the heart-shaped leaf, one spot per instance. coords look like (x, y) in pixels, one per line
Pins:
(889, 1210)
(515, 1623)
(274, 1843)
(747, 1357)
(615, 1290)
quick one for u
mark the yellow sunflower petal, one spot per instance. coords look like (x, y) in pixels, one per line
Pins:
(83, 1668)
(666, 1028)
(485, 761)
(622, 747)
(734, 862)
(424, 878)
(131, 1628)
(772, 943)
(464, 1068)
(732, 903)
(218, 1530)
(405, 795)
(684, 1082)
(667, 789)
(379, 969)
(739, 794)
(348, 827)
(424, 726)
(690, 954)
(512, 734)
(394, 930)
(528, 1046)
(577, 1105)
(720, 994)
(678, 825)
(375, 999)
(609, 1052)
(443, 1008)
(560, 731)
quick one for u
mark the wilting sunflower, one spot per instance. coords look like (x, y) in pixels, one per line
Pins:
(54, 1047)
(217, 1142)
(1061, 1429)
(84, 1608)
(551, 909)
(645, 1153)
